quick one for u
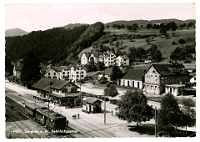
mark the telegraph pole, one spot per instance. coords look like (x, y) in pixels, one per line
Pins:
(155, 122)
(80, 78)
(104, 109)
(48, 114)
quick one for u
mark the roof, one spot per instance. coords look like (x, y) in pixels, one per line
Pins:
(87, 54)
(175, 85)
(92, 100)
(60, 68)
(34, 105)
(134, 74)
(165, 69)
(123, 57)
(61, 83)
(108, 71)
(52, 114)
(44, 83)
(92, 73)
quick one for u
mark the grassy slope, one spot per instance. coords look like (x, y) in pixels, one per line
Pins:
(164, 45)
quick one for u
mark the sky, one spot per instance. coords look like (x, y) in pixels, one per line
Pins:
(36, 16)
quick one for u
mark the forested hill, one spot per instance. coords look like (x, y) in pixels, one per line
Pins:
(57, 44)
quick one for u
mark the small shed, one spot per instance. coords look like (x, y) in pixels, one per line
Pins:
(92, 105)
(175, 89)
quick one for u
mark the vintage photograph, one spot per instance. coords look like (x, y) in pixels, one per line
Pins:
(100, 70)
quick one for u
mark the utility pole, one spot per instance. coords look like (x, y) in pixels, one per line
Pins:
(104, 109)
(155, 122)
(80, 78)
(48, 114)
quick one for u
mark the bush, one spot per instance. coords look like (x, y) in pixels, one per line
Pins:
(103, 80)
(173, 43)
(181, 41)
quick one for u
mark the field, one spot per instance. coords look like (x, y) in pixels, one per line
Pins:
(164, 44)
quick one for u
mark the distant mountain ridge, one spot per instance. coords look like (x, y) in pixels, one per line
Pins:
(71, 26)
(144, 22)
(15, 32)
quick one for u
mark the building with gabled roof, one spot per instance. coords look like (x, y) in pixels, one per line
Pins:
(92, 105)
(61, 92)
(53, 73)
(158, 75)
(133, 78)
(122, 61)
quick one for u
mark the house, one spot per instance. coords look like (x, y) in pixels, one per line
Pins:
(53, 73)
(87, 57)
(133, 78)
(109, 59)
(106, 73)
(93, 57)
(18, 68)
(57, 91)
(74, 73)
(174, 89)
(122, 61)
(158, 75)
(193, 81)
(43, 87)
(92, 105)
(84, 58)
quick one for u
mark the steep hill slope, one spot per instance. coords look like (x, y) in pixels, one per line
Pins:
(15, 32)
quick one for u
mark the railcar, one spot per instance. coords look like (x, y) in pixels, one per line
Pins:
(39, 113)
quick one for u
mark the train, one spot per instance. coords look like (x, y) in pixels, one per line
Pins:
(53, 121)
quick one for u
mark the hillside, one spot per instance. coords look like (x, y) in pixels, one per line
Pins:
(71, 26)
(139, 40)
(145, 22)
(58, 45)
(15, 32)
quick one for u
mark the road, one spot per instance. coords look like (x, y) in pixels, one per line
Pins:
(89, 125)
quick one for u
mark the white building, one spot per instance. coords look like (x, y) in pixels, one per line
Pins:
(122, 61)
(74, 73)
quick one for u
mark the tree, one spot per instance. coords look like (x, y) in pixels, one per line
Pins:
(116, 73)
(8, 66)
(140, 52)
(134, 27)
(111, 91)
(149, 26)
(189, 112)
(181, 41)
(107, 26)
(133, 107)
(169, 116)
(117, 43)
(163, 30)
(132, 54)
(100, 66)
(31, 68)
(121, 43)
(157, 56)
(175, 55)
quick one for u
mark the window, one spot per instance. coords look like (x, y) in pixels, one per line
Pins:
(54, 73)
(82, 75)
(49, 73)
(155, 87)
(63, 72)
(151, 76)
